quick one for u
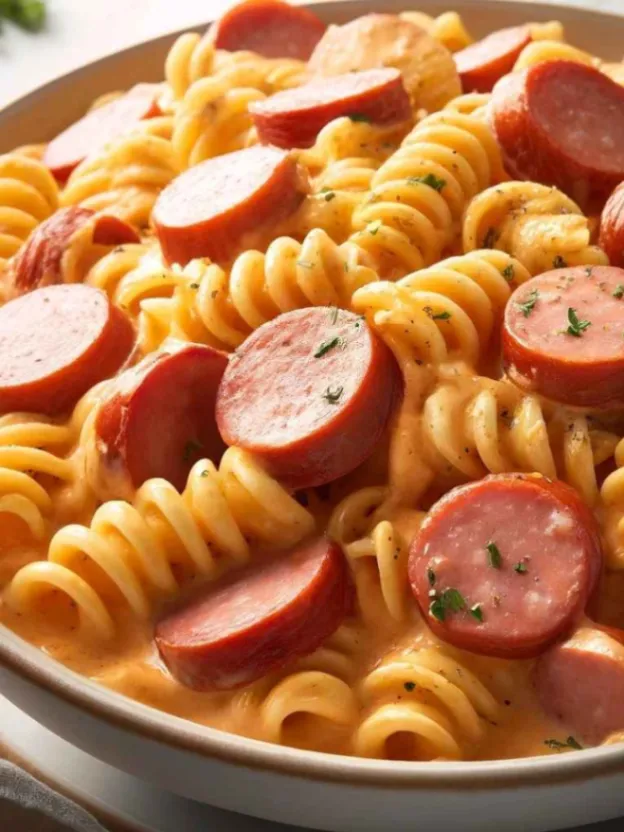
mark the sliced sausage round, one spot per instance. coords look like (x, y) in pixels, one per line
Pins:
(563, 336)
(505, 566)
(385, 40)
(259, 619)
(562, 123)
(99, 127)
(270, 28)
(157, 420)
(56, 343)
(483, 63)
(294, 118)
(612, 227)
(39, 261)
(218, 206)
(310, 394)
(581, 682)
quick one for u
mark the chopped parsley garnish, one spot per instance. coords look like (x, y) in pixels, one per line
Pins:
(359, 117)
(451, 600)
(328, 345)
(192, 447)
(409, 686)
(477, 612)
(618, 292)
(29, 14)
(494, 556)
(491, 236)
(508, 272)
(374, 227)
(194, 285)
(521, 568)
(441, 316)
(204, 473)
(429, 179)
(559, 262)
(558, 745)
(526, 307)
(332, 395)
(328, 194)
(305, 264)
(576, 327)
(431, 577)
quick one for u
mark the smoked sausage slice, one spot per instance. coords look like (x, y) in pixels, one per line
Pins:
(215, 207)
(562, 123)
(56, 343)
(310, 394)
(294, 118)
(581, 682)
(39, 261)
(270, 28)
(385, 40)
(505, 566)
(259, 620)
(563, 336)
(99, 127)
(483, 63)
(157, 420)
(612, 227)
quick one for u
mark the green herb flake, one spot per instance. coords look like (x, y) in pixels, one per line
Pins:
(359, 117)
(328, 194)
(409, 686)
(494, 557)
(429, 179)
(559, 262)
(477, 612)
(441, 316)
(204, 473)
(332, 395)
(451, 600)
(576, 327)
(618, 292)
(431, 577)
(191, 448)
(521, 568)
(29, 14)
(559, 745)
(508, 272)
(374, 227)
(526, 307)
(194, 285)
(328, 345)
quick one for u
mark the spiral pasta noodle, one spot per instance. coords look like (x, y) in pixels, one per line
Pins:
(448, 28)
(125, 178)
(28, 196)
(612, 496)
(218, 509)
(538, 225)
(419, 194)
(445, 707)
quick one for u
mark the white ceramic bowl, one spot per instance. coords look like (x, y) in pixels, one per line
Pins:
(283, 784)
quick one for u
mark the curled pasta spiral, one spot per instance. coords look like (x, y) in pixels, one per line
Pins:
(419, 194)
(539, 225)
(470, 104)
(447, 310)
(612, 496)
(444, 709)
(476, 426)
(125, 178)
(133, 544)
(539, 51)
(218, 307)
(28, 195)
(447, 27)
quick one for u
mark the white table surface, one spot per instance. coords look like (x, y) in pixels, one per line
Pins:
(79, 31)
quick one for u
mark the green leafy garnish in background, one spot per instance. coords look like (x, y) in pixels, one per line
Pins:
(29, 14)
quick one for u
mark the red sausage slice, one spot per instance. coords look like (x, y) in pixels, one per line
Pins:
(39, 261)
(310, 394)
(99, 127)
(562, 123)
(157, 421)
(612, 227)
(259, 620)
(211, 208)
(505, 566)
(581, 682)
(544, 351)
(56, 343)
(294, 118)
(483, 63)
(270, 28)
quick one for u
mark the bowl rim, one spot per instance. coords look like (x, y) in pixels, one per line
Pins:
(32, 666)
